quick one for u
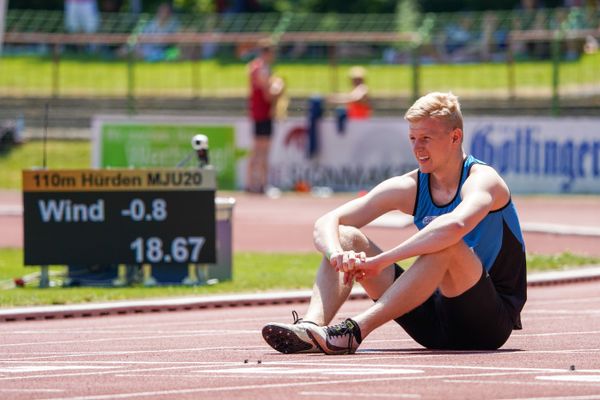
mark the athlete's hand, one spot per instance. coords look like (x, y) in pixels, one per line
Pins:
(368, 268)
(346, 261)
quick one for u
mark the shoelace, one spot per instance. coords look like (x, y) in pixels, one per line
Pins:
(341, 329)
(297, 319)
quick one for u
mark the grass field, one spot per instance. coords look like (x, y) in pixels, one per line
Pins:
(34, 76)
(61, 154)
(253, 272)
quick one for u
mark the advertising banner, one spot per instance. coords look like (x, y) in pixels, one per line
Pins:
(539, 155)
(123, 142)
(533, 154)
(357, 157)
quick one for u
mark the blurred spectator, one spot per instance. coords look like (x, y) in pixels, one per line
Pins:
(567, 20)
(461, 44)
(163, 23)
(591, 45)
(111, 6)
(494, 38)
(135, 7)
(357, 100)
(236, 6)
(531, 15)
(81, 16)
(264, 91)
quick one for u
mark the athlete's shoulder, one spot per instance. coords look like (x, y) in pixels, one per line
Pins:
(484, 178)
(405, 181)
(397, 193)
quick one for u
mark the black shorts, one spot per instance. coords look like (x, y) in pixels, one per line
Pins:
(478, 319)
(263, 128)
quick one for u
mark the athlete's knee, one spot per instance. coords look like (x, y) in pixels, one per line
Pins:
(449, 254)
(352, 238)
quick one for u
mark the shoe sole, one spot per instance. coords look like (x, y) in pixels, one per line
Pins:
(285, 341)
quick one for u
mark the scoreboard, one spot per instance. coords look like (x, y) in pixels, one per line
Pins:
(119, 216)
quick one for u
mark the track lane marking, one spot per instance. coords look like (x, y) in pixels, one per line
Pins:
(121, 353)
(571, 378)
(505, 382)
(129, 338)
(277, 385)
(584, 397)
(370, 394)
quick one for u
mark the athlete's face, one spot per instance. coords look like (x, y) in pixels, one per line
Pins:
(433, 142)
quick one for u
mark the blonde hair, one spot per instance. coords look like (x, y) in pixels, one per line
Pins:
(441, 106)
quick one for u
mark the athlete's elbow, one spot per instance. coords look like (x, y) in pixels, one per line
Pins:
(320, 226)
(456, 227)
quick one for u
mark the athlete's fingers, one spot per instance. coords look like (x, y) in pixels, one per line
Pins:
(335, 260)
(347, 278)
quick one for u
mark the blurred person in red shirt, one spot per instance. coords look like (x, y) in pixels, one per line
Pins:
(264, 91)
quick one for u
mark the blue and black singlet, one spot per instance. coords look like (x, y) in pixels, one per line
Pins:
(497, 240)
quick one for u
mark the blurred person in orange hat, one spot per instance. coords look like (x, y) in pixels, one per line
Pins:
(357, 100)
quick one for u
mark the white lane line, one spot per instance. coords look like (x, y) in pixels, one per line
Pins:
(571, 351)
(522, 383)
(121, 328)
(130, 352)
(127, 362)
(555, 334)
(196, 376)
(19, 369)
(303, 383)
(3, 390)
(129, 338)
(203, 332)
(355, 394)
(584, 397)
(425, 366)
(571, 378)
(357, 370)
(318, 364)
(564, 312)
(112, 371)
(563, 301)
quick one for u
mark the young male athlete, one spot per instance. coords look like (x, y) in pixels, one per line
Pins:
(467, 286)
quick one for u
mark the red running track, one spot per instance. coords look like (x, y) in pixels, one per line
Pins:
(220, 354)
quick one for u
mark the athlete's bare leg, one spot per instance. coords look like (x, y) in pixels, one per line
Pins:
(453, 270)
(329, 290)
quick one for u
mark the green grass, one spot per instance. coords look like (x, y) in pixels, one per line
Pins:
(61, 154)
(252, 273)
(33, 76)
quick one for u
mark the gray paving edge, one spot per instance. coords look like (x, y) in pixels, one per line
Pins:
(582, 274)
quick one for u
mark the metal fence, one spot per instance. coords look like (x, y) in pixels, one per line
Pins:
(547, 55)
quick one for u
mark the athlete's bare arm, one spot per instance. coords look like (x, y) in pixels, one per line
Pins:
(482, 192)
(396, 193)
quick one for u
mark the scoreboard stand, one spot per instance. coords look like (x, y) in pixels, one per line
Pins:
(163, 223)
